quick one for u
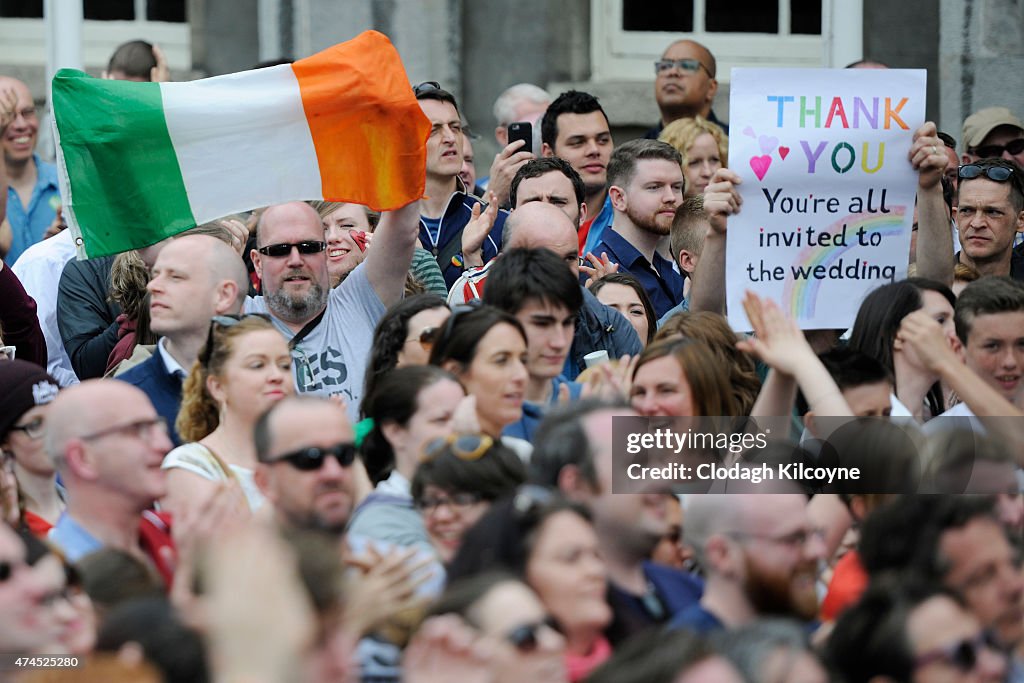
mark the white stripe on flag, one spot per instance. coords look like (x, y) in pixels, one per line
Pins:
(242, 141)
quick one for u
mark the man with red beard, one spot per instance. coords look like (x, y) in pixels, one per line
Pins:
(760, 558)
(645, 182)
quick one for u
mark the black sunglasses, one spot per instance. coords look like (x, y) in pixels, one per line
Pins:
(313, 458)
(526, 638)
(1000, 174)
(285, 248)
(994, 151)
(963, 654)
(425, 86)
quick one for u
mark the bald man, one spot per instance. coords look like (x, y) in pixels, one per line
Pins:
(329, 330)
(195, 278)
(684, 84)
(108, 443)
(299, 430)
(542, 225)
(760, 559)
(33, 195)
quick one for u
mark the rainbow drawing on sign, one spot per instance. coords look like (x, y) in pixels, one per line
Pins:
(802, 292)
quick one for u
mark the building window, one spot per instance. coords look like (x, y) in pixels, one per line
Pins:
(104, 10)
(628, 35)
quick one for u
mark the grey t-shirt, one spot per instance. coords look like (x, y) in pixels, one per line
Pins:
(331, 360)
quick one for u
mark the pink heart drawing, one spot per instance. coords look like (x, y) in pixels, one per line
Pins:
(767, 144)
(783, 152)
(749, 132)
(760, 165)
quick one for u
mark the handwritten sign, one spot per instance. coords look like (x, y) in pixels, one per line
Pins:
(828, 191)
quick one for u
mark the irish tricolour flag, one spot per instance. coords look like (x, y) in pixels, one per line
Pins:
(140, 162)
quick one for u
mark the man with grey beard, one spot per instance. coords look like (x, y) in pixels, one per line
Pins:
(330, 331)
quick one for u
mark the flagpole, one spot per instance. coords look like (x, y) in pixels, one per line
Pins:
(63, 21)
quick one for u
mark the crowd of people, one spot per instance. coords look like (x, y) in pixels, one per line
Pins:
(314, 442)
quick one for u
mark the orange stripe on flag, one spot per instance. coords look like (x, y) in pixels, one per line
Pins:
(368, 130)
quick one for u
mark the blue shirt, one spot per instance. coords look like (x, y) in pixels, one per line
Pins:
(73, 539)
(661, 282)
(28, 225)
(533, 413)
(161, 384)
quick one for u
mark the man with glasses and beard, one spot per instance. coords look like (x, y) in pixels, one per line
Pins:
(645, 185)
(760, 558)
(330, 331)
(306, 450)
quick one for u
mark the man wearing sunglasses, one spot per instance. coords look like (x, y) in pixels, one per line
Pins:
(960, 545)
(993, 133)
(989, 214)
(330, 331)
(108, 444)
(685, 85)
(908, 630)
(306, 453)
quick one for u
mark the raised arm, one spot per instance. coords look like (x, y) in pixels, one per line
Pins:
(934, 233)
(781, 345)
(388, 260)
(721, 200)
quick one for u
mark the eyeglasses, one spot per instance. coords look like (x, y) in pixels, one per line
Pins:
(526, 638)
(34, 429)
(224, 321)
(963, 654)
(456, 501)
(28, 113)
(140, 429)
(689, 65)
(794, 539)
(1013, 147)
(285, 248)
(425, 86)
(8, 351)
(463, 446)
(313, 458)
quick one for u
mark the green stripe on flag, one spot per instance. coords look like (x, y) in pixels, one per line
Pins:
(125, 182)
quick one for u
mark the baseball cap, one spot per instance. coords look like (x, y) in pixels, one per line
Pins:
(982, 122)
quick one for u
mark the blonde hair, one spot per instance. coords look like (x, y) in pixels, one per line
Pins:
(325, 209)
(200, 414)
(682, 133)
